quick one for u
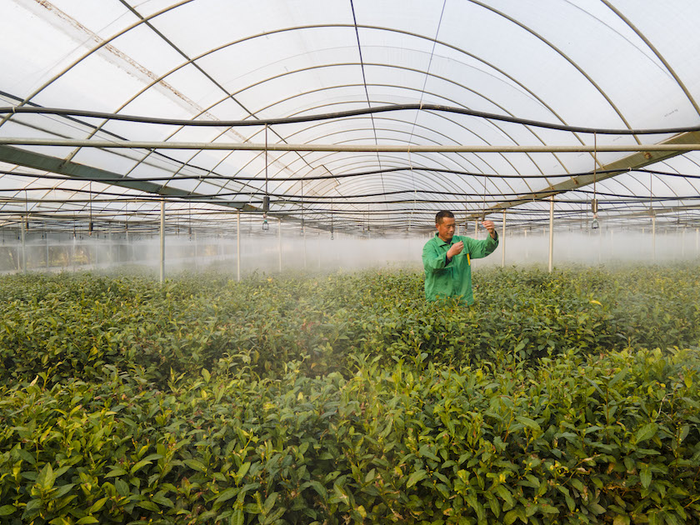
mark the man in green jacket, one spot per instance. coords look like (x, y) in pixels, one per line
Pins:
(447, 259)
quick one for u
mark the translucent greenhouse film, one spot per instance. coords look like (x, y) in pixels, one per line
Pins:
(128, 120)
(334, 262)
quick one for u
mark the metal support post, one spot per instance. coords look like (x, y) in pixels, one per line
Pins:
(503, 242)
(72, 252)
(279, 244)
(196, 250)
(612, 244)
(162, 241)
(24, 247)
(527, 248)
(551, 234)
(238, 245)
(305, 262)
(683, 243)
(653, 238)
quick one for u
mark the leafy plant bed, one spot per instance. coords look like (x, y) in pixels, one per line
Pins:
(346, 398)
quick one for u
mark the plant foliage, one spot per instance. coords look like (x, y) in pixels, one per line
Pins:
(569, 397)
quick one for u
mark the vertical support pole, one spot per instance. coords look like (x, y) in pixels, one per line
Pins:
(612, 244)
(697, 241)
(551, 234)
(653, 238)
(305, 262)
(683, 243)
(162, 241)
(24, 247)
(238, 245)
(318, 247)
(527, 246)
(503, 242)
(279, 244)
(48, 258)
(129, 253)
(476, 228)
(196, 250)
(112, 257)
(72, 252)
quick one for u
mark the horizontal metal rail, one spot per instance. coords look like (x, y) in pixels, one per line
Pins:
(358, 148)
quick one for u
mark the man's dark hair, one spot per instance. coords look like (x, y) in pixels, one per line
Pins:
(442, 214)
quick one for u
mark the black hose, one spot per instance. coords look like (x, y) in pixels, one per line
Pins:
(338, 115)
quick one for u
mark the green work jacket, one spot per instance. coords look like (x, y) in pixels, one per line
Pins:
(454, 278)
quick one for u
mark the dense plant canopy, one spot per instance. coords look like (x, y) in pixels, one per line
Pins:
(569, 397)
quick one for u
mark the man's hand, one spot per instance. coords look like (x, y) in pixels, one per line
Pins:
(490, 228)
(455, 249)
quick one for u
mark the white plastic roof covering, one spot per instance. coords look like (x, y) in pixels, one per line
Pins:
(621, 65)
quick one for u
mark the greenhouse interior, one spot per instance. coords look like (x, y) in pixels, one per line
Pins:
(229, 129)
(228, 294)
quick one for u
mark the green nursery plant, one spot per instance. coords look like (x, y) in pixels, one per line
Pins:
(345, 398)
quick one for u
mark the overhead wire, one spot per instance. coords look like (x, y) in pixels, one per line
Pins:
(422, 107)
(344, 114)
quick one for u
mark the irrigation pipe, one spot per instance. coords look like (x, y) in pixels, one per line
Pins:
(338, 115)
(364, 148)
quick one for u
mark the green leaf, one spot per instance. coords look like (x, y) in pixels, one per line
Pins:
(118, 471)
(570, 503)
(195, 465)
(97, 506)
(274, 517)
(62, 491)
(149, 505)
(237, 518)
(269, 503)
(577, 484)
(646, 432)
(46, 477)
(122, 487)
(655, 518)
(621, 520)
(32, 509)
(530, 423)
(138, 466)
(622, 373)
(6, 510)
(242, 471)
(645, 476)
(160, 499)
(513, 515)
(226, 495)
(86, 520)
(318, 487)
(26, 456)
(416, 477)
(505, 495)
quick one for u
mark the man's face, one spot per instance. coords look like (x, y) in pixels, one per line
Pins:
(446, 228)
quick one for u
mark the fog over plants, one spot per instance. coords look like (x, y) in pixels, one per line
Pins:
(267, 251)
